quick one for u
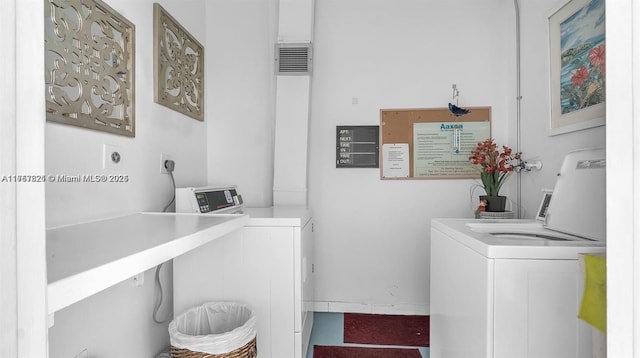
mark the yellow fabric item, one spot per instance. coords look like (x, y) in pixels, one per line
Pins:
(593, 309)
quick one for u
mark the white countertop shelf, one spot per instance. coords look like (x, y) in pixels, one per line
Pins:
(86, 258)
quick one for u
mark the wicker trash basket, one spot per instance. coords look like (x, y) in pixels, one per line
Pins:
(214, 330)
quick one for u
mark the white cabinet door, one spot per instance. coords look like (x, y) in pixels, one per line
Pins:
(307, 282)
(536, 308)
(199, 276)
(253, 266)
(268, 272)
(461, 300)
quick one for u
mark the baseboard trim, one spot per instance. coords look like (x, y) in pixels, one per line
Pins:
(376, 308)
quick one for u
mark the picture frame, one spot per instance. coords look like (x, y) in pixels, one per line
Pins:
(577, 66)
(178, 66)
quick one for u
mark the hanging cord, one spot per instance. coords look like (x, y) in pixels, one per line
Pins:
(160, 297)
(456, 94)
(169, 165)
(173, 198)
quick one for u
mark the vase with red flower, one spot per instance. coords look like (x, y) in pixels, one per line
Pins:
(495, 166)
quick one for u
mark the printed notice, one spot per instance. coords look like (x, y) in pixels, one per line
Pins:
(442, 149)
(395, 158)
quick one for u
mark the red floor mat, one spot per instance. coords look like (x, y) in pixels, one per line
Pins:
(397, 330)
(363, 352)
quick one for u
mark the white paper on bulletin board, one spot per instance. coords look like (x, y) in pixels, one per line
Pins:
(442, 149)
(395, 160)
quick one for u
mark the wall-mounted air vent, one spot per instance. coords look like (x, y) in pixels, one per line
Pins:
(293, 59)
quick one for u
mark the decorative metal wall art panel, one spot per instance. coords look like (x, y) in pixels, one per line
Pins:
(178, 66)
(89, 66)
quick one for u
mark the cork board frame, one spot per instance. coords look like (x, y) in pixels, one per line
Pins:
(397, 127)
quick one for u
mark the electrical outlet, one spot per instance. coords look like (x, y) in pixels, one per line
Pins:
(112, 157)
(138, 280)
(163, 158)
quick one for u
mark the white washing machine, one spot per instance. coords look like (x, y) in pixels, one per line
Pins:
(512, 288)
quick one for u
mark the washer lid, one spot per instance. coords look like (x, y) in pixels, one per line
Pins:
(578, 203)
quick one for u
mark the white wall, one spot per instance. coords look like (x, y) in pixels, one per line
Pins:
(536, 145)
(623, 165)
(23, 317)
(241, 96)
(372, 242)
(8, 206)
(373, 235)
(71, 150)
(118, 322)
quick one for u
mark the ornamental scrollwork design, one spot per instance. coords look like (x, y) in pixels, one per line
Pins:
(89, 66)
(179, 66)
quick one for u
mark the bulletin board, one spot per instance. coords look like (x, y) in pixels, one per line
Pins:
(431, 143)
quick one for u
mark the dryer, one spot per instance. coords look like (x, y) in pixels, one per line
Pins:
(268, 264)
(512, 288)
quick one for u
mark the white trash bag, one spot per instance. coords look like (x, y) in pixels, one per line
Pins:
(214, 327)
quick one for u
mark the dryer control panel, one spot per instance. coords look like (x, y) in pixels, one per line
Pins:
(207, 200)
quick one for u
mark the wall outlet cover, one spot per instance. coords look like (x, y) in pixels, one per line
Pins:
(163, 158)
(112, 157)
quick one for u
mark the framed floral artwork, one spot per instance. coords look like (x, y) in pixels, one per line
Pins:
(577, 64)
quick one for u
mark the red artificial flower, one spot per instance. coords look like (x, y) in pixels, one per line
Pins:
(580, 76)
(494, 166)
